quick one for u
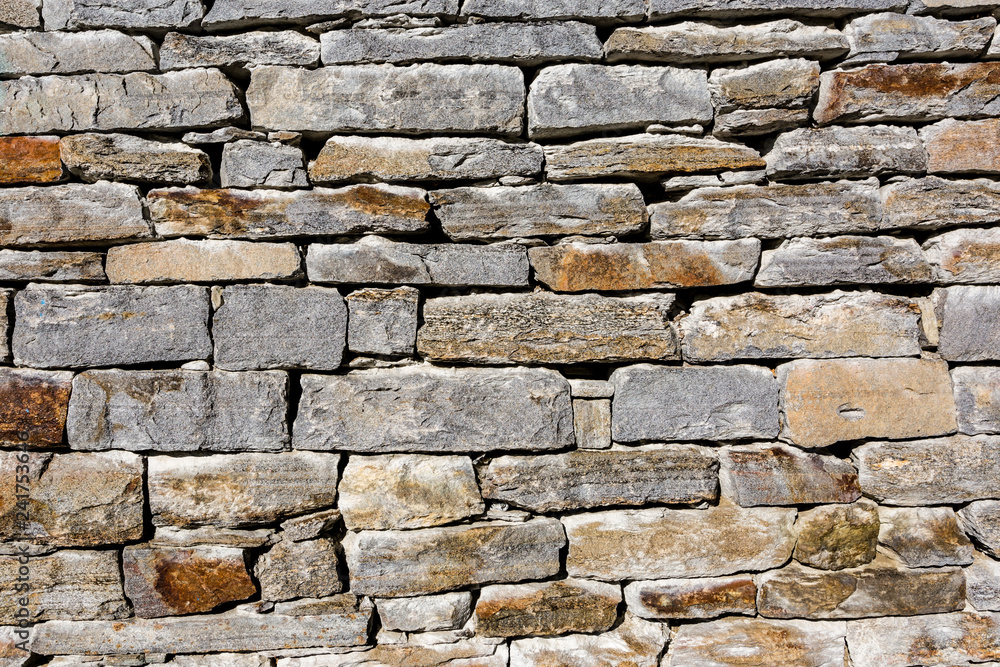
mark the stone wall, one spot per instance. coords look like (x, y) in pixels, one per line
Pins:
(489, 333)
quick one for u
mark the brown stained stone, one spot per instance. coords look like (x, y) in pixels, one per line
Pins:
(834, 537)
(934, 202)
(634, 643)
(967, 256)
(923, 536)
(776, 474)
(963, 147)
(828, 401)
(162, 581)
(29, 160)
(33, 406)
(581, 267)
(692, 598)
(550, 608)
(207, 260)
(299, 569)
(950, 640)
(759, 642)
(981, 521)
(52, 267)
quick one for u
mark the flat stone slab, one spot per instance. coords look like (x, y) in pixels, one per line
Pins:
(733, 642)
(933, 203)
(661, 9)
(844, 260)
(55, 267)
(40, 53)
(692, 598)
(962, 147)
(777, 474)
(128, 14)
(886, 37)
(123, 157)
(545, 609)
(33, 406)
(202, 261)
(775, 84)
(934, 639)
(967, 256)
(426, 613)
(598, 11)
(285, 47)
(968, 317)
(228, 14)
(839, 152)
(634, 642)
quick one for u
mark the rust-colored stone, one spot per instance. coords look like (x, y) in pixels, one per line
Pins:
(550, 608)
(963, 147)
(29, 160)
(692, 598)
(33, 406)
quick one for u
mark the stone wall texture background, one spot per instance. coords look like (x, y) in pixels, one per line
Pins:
(499, 333)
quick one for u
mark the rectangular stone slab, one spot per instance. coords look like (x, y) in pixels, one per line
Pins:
(202, 261)
(227, 14)
(548, 608)
(285, 47)
(933, 203)
(962, 147)
(844, 152)
(843, 260)
(965, 256)
(128, 14)
(886, 37)
(635, 642)
(124, 157)
(660, 9)
(39, 53)
(937, 639)
(735, 642)
(777, 474)
(598, 11)
(6, 297)
(52, 267)
(21, 14)
(33, 406)
(692, 598)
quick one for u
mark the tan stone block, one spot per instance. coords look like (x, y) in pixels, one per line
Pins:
(962, 147)
(834, 537)
(549, 608)
(745, 642)
(187, 261)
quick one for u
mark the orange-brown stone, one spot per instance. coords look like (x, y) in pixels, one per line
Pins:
(549, 608)
(963, 147)
(33, 406)
(29, 160)
(692, 598)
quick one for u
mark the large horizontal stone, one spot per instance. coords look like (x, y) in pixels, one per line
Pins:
(843, 260)
(415, 562)
(581, 267)
(965, 256)
(414, 491)
(661, 9)
(285, 47)
(705, 42)
(828, 401)
(347, 158)
(73, 585)
(936, 639)
(578, 99)
(128, 14)
(665, 543)
(735, 642)
(691, 403)
(550, 608)
(235, 491)
(692, 598)
(923, 536)
(72, 213)
(525, 44)
(772, 211)
(274, 214)
(846, 152)
(54, 267)
(932, 203)
(259, 164)
(787, 84)
(962, 146)
(486, 99)
(834, 537)
(377, 260)
(541, 327)
(33, 406)
(776, 474)
(886, 37)
(426, 613)
(598, 11)
(136, 101)
(429, 409)
(29, 160)
(123, 157)
(299, 569)
(38, 53)
(937, 471)
(202, 261)
(227, 14)
(584, 479)
(635, 642)
(969, 317)
(918, 92)
(645, 156)
(86, 500)
(540, 210)
(175, 411)
(981, 521)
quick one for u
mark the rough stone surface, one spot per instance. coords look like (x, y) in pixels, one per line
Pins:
(982, 583)
(776, 474)
(227, 14)
(981, 521)
(253, 164)
(738, 642)
(308, 526)
(846, 152)
(55, 267)
(965, 256)
(33, 406)
(299, 569)
(21, 14)
(286, 47)
(6, 298)
(550, 608)
(777, 83)
(123, 157)
(962, 147)
(692, 598)
(843, 260)
(594, 10)
(383, 321)
(29, 160)
(834, 537)
(474, 652)
(661, 9)
(932, 203)
(968, 317)
(635, 642)
(923, 536)
(128, 14)
(937, 639)
(42, 53)
(591, 423)
(425, 614)
(890, 36)
(202, 261)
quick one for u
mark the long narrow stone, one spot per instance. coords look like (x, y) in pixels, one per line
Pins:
(844, 260)
(285, 47)
(846, 152)
(661, 9)
(696, 598)
(777, 474)
(635, 642)
(935, 639)
(548, 608)
(203, 261)
(933, 203)
(40, 53)
(886, 37)
(602, 11)
(229, 14)
(734, 642)
(127, 14)
(123, 157)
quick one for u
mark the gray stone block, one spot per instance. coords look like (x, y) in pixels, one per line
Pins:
(258, 164)
(383, 321)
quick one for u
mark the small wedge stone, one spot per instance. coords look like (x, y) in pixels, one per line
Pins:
(592, 423)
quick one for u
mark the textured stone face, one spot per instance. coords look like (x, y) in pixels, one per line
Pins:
(475, 651)
(934, 639)
(665, 543)
(660, 9)
(33, 406)
(932, 203)
(776, 474)
(634, 642)
(426, 409)
(227, 14)
(692, 598)
(6, 297)
(94, 157)
(29, 160)
(522, 328)
(886, 37)
(426, 613)
(843, 260)
(777, 83)
(21, 14)
(182, 260)
(235, 491)
(690, 403)
(595, 10)
(286, 47)
(924, 536)
(252, 164)
(299, 569)
(485, 99)
(732, 642)
(42, 53)
(846, 152)
(962, 147)
(175, 411)
(669, 474)
(128, 14)
(981, 520)
(577, 99)
(55, 267)
(413, 562)
(968, 331)
(592, 423)
(550, 608)
(982, 583)
(756, 122)
(965, 256)
(824, 402)
(834, 537)
(383, 321)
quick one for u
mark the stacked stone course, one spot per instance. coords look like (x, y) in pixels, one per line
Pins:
(500, 333)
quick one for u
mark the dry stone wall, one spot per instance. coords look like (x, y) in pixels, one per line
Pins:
(499, 333)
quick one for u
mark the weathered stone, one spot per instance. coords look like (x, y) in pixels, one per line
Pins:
(33, 406)
(965, 256)
(691, 403)
(220, 660)
(776, 474)
(661, 9)
(29, 159)
(77, 585)
(592, 423)
(383, 321)
(202, 261)
(86, 500)
(128, 14)
(577, 99)
(755, 122)
(578, 480)
(429, 409)
(299, 569)
(834, 537)
(273, 214)
(76, 326)
(962, 147)
(773, 211)
(541, 327)
(937, 639)
(56, 267)
(932, 203)
(846, 152)
(432, 560)
(21, 14)
(13, 652)
(94, 157)
(664, 543)
(377, 260)
(485, 99)
(636, 642)
(414, 491)
(540, 210)
(919, 92)
(776, 83)
(843, 260)
(923, 536)
(525, 44)
(226, 14)
(823, 402)
(550, 608)
(250, 49)
(169, 582)
(883, 588)
(580, 267)
(6, 297)
(599, 11)
(349, 158)
(968, 323)
(170, 536)
(886, 37)
(427, 613)
(758, 642)
(222, 136)
(705, 42)
(982, 583)
(134, 101)
(474, 652)
(310, 526)
(981, 521)
(39, 53)
(692, 598)
(175, 411)
(930, 472)
(254, 164)
(242, 490)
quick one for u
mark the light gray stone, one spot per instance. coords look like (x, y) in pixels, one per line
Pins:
(598, 11)
(228, 14)
(299, 569)
(755, 122)
(137, 101)
(40, 53)
(969, 316)
(965, 256)
(982, 583)
(310, 526)
(446, 410)
(787, 84)
(279, 326)
(577, 99)
(418, 650)
(222, 136)
(981, 521)
(51, 267)
(202, 261)
(172, 411)
(936, 639)
(661, 9)
(923, 537)
(634, 642)
(846, 152)
(591, 389)
(71, 585)
(933, 203)
(525, 44)
(258, 164)
(6, 297)
(889, 36)
(487, 99)
(540, 210)
(691, 403)
(250, 49)
(843, 260)
(76, 326)
(123, 157)
(692, 598)
(172, 536)
(383, 321)
(777, 474)
(128, 14)
(977, 398)
(734, 642)
(379, 261)
(448, 611)
(592, 423)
